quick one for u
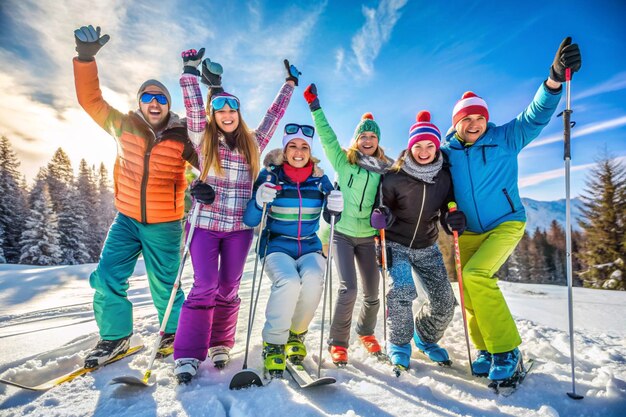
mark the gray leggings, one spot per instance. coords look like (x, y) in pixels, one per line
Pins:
(346, 250)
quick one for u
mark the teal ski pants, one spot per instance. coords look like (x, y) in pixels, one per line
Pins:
(127, 239)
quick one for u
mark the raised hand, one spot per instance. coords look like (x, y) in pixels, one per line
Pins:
(191, 60)
(310, 95)
(211, 73)
(89, 42)
(292, 72)
(567, 56)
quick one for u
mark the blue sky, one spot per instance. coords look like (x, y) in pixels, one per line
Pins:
(391, 58)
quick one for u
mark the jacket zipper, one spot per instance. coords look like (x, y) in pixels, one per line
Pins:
(299, 218)
(174, 196)
(144, 184)
(420, 217)
(469, 175)
(364, 188)
(508, 198)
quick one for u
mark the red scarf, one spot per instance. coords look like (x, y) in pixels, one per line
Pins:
(298, 175)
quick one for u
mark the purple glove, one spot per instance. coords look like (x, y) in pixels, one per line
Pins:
(378, 219)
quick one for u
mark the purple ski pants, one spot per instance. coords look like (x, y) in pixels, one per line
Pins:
(209, 314)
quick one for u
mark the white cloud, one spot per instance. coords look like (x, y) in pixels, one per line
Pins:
(541, 177)
(374, 33)
(582, 131)
(616, 83)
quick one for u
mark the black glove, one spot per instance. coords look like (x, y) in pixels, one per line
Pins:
(191, 60)
(89, 42)
(212, 74)
(310, 95)
(202, 192)
(455, 221)
(567, 56)
(292, 72)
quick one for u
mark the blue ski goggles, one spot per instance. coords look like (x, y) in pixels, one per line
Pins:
(292, 128)
(218, 103)
(148, 97)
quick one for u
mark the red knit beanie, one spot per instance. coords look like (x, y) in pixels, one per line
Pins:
(470, 103)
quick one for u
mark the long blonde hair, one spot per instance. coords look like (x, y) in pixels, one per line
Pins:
(245, 142)
(353, 157)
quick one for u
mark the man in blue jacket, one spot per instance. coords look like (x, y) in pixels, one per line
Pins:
(483, 159)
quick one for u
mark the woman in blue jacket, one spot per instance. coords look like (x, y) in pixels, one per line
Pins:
(295, 191)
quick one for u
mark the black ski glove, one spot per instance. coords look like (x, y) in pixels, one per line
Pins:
(292, 72)
(202, 192)
(455, 221)
(310, 95)
(191, 60)
(89, 42)
(567, 56)
(212, 74)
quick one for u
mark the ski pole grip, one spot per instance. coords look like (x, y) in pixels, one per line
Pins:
(568, 74)
(451, 206)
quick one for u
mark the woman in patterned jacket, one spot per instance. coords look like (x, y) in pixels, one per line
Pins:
(416, 192)
(229, 158)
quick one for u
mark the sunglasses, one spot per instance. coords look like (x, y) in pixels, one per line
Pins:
(219, 102)
(148, 97)
(292, 128)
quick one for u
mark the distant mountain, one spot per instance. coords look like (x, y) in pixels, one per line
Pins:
(541, 213)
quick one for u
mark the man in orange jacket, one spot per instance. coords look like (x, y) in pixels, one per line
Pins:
(149, 179)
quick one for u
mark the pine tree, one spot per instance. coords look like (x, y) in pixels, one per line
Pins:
(12, 202)
(105, 212)
(87, 193)
(3, 260)
(40, 238)
(60, 179)
(604, 211)
(556, 239)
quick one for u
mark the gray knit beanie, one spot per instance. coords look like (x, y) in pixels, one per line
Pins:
(155, 83)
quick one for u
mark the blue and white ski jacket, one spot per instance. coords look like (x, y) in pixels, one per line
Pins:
(485, 173)
(293, 217)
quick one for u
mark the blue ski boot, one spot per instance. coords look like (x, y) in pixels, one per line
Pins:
(504, 365)
(434, 352)
(400, 356)
(482, 364)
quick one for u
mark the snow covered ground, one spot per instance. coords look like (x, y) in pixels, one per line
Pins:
(42, 309)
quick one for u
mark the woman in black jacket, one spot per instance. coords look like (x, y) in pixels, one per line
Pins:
(415, 192)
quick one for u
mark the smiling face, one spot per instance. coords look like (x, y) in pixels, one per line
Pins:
(154, 113)
(297, 153)
(471, 128)
(227, 119)
(424, 152)
(367, 143)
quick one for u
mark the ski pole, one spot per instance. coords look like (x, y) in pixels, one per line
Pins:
(170, 304)
(383, 261)
(459, 278)
(567, 125)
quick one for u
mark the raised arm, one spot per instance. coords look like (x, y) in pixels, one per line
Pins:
(335, 154)
(192, 96)
(275, 113)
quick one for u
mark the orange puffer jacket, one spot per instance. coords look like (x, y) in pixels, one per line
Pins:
(149, 173)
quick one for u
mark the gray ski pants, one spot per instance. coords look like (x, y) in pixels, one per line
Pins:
(347, 250)
(425, 265)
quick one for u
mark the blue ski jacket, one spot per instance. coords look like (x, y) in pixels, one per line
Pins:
(294, 215)
(485, 173)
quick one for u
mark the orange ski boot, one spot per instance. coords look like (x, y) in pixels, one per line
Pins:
(339, 355)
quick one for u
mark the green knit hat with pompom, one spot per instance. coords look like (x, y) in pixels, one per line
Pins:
(367, 124)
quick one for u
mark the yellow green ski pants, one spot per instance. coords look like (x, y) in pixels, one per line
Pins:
(489, 320)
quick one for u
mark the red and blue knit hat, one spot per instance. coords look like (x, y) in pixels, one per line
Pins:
(470, 103)
(424, 130)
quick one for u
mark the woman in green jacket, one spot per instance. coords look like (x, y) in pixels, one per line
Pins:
(359, 170)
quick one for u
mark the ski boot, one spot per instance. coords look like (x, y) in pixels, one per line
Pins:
(482, 363)
(339, 355)
(505, 365)
(185, 369)
(220, 356)
(295, 350)
(166, 347)
(434, 352)
(106, 350)
(400, 356)
(373, 347)
(274, 360)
